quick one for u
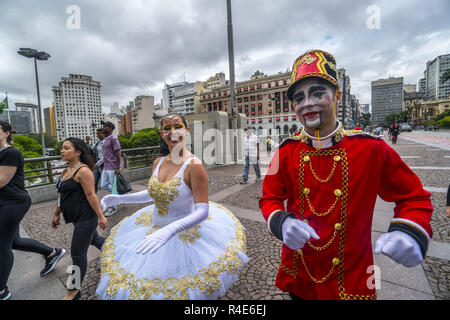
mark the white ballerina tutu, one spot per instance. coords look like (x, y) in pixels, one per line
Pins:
(199, 263)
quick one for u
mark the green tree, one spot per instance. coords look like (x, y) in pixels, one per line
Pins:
(399, 117)
(48, 139)
(27, 143)
(444, 122)
(366, 119)
(442, 115)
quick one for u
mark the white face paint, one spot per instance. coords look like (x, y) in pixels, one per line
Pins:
(314, 105)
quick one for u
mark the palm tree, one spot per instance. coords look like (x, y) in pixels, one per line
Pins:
(446, 76)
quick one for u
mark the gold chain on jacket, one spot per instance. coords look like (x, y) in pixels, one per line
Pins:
(339, 228)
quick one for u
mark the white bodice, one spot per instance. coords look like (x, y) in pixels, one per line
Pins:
(173, 199)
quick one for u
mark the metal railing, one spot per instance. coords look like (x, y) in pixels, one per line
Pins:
(50, 168)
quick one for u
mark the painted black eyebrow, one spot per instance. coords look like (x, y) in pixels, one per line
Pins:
(311, 90)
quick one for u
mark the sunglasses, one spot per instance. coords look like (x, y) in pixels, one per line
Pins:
(167, 128)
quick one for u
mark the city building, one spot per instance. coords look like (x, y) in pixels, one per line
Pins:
(19, 120)
(126, 125)
(50, 121)
(115, 108)
(216, 81)
(142, 113)
(425, 111)
(410, 88)
(387, 98)
(178, 98)
(344, 105)
(77, 106)
(365, 108)
(422, 85)
(434, 88)
(263, 99)
(412, 103)
(33, 109)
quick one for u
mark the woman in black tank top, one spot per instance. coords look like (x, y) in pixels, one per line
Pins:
(78, 203)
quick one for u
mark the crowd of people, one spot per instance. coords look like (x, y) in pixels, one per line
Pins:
(318, 199)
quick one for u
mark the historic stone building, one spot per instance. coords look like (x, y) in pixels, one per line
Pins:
(263, 99)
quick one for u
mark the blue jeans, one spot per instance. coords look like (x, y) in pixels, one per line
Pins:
(97, 178)
(108, 181)
(247, 167)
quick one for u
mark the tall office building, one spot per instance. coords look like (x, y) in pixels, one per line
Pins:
(344, 105)
(434, 88)
(77, 106)
(50, 121)
(178, 98)
(20, 120)
(142, 113)
(387, 98)
(33, 110)
(422, 86)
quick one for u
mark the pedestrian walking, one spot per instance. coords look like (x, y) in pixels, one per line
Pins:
(251, 155)
(98, 158)
(14, 204)
(331, 178)
(182, 246)
(395, 131)
(270, 143)
(111, 161)
(79, 205)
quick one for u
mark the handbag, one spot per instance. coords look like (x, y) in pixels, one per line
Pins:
(123, 186)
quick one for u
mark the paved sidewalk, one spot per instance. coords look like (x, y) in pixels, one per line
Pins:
(257, 280)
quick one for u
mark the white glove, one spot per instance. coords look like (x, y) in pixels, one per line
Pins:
(296, 232)
(116, 199)
(157, 239)
(400, 247)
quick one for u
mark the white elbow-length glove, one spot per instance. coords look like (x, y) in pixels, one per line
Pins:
(116, 199)
(157, 239)
(296, 232)
(400, 247)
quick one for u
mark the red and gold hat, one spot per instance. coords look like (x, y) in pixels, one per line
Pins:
(314, 63)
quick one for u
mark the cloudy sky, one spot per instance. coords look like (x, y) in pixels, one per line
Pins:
(135, 46)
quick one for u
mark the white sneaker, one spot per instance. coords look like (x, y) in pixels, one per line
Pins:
(110, 211)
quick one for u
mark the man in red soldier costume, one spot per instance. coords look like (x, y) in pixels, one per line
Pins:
(331, 178)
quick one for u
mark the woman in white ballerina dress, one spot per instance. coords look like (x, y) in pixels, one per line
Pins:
(180, 247)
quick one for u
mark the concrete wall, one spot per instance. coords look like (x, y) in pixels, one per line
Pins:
(48, 193)
(216, 138)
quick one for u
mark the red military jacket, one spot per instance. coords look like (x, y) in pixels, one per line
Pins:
(335, 190)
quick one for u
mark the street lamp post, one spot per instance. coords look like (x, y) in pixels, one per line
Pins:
(93, 125)
(37, 55)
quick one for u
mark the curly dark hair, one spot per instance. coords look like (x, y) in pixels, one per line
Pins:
(85, 156)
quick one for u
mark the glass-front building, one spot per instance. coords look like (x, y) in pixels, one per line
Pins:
(20, 120)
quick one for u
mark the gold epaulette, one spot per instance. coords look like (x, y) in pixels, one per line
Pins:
(289, 139)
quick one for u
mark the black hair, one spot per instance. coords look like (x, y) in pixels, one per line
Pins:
(6, 127)
(85, 156)
(163, 147)
(99, 130)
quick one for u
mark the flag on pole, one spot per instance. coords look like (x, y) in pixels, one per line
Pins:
(4, 105)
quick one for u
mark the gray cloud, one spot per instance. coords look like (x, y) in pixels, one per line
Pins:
(134, 47)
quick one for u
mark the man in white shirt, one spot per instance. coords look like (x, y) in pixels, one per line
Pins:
(251, 154)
